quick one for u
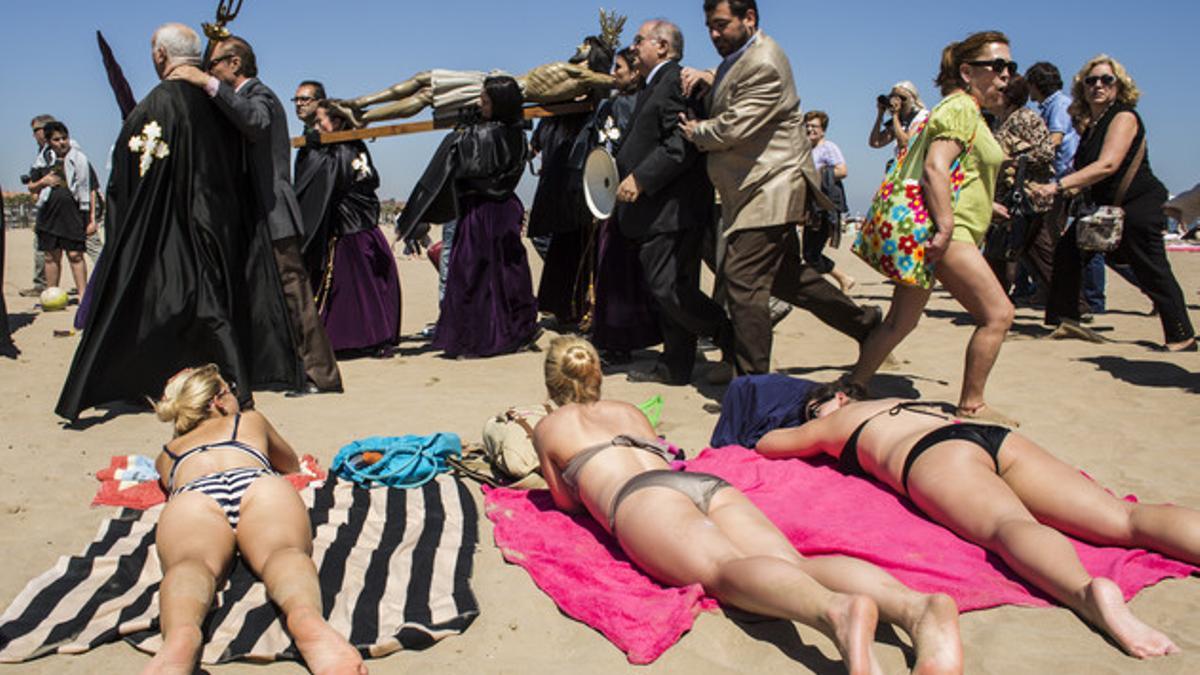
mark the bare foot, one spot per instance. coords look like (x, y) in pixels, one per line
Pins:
(324, 650)
(935, 637)
(351, 112)
(851, 623)
(179, 653)
(1106, 608)
(985, 413)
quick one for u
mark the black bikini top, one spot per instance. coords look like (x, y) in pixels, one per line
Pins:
(232, 443)
(848, 460)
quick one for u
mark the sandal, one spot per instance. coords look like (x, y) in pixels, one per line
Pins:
(1069, 330)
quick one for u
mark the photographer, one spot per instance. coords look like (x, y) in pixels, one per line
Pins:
(907, 113)
(1029, 150)
(34, 183)
(65, 218)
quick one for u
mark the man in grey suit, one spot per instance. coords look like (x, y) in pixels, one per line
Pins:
(254, 109)
(760, 162)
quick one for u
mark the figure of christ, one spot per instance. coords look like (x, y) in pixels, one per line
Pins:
(448, 90)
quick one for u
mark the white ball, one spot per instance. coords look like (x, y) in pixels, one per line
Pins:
(54, 299)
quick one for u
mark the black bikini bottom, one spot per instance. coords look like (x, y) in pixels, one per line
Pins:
(987, 436)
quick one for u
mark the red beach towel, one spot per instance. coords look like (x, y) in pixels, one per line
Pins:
(821, 511)
(143, 493)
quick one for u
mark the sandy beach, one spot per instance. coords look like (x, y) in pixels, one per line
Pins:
(1125, 414)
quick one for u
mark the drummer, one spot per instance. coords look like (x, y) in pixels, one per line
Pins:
(762, 254)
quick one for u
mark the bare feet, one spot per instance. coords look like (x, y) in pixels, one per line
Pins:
(324, 650)
(935, 637)
(179, 653)
(985, 413)
(352, 113)
(1106, 609)
(851, 623)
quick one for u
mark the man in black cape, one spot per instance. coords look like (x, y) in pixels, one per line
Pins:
(187, 276)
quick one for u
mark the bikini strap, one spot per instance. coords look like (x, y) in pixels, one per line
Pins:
(237, 419)
(170, 454)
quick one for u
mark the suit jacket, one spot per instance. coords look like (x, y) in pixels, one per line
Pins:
(759, 159)
(257, 113)
(675, 192)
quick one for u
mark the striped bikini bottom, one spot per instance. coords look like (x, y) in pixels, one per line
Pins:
(227, 488)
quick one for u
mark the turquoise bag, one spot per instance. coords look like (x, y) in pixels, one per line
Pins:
(406, 462)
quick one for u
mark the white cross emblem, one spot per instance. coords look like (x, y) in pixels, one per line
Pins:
(151, 146)
(361, 166)
(610, 133)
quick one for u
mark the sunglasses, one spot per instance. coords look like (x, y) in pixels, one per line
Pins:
(1106, 80)
(810, 412)
(213, 62)
(997, 65)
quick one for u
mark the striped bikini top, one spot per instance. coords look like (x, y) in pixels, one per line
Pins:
(233, 443)
(570, 472)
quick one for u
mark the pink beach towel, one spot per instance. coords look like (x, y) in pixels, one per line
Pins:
(821, 511)
(125, 482)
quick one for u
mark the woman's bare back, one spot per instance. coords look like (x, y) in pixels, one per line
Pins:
(251, 430)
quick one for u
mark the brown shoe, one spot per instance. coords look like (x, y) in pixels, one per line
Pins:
(33, 292)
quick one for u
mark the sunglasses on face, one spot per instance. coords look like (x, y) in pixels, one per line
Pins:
(997, 65)
(1106, 80)
(303, 99)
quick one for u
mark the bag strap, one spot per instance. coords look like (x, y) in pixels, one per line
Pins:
(512, 415)
(1127, 179)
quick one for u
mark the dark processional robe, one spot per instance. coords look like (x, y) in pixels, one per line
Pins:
(349, 260)
(187, 276)
(7, 348)
(489, 306)
(560, 210)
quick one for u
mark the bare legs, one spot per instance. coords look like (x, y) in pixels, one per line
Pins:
(404, 99)
(902, 316)
(54, 268)
(196, 545)
(965, 274)
(955, 484)
(739, 556)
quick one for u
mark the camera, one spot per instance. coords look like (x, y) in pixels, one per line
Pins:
(882, 100)
(35, 174)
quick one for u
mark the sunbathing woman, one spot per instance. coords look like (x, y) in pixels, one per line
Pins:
(684, 528)
(227, 497)
(997, 488)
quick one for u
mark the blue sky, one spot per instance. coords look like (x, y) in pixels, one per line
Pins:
(843, 53)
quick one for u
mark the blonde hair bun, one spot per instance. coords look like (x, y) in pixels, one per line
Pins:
(572, 371)
(187, 395)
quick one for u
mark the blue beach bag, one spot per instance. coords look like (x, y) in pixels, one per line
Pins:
(405, 462)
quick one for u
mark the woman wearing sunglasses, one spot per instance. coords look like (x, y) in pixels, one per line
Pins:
(1000, 490)
(973, 74)
(1112, 144)
(227, 498)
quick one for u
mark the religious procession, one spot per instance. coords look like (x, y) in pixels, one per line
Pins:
(604, 390)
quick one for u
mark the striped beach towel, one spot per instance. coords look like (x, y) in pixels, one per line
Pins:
(394, 565)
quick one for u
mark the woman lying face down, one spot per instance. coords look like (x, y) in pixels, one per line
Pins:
(603, 457)
(996, 488)
(227, 497)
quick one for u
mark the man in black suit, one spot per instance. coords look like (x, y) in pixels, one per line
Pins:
(254, 109)
(666, 202)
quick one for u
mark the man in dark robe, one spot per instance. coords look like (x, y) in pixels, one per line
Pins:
(559, 209)
(187, 277)
(7, 346)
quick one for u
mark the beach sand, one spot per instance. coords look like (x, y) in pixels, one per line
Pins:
(1122, 412)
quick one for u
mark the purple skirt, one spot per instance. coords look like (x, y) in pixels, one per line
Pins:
(489, 306)
(362, 310)
(625, 315)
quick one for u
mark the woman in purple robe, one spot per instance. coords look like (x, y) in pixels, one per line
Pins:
(350, 263)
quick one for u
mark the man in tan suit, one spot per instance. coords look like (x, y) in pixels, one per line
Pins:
(760, 162)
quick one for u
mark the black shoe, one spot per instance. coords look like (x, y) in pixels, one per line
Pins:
(656, 375)
(307, 390)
